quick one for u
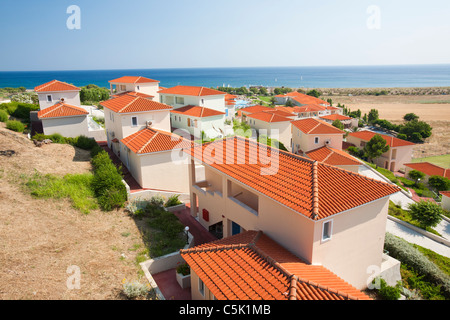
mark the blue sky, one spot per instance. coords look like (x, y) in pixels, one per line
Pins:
(138, 34)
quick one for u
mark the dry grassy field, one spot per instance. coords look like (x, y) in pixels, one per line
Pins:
(433, 109)
(40, 239)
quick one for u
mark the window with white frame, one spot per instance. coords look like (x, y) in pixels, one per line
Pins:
(137, 88)
(49, 98)
(179, 100)
(327, 229)
(134, 121)
(201, 287)
(316, 140)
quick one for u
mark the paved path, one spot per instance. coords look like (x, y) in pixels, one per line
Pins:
(416, 238)
(406, 233)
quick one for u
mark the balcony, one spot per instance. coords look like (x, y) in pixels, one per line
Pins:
(204, 187)
(246, 203)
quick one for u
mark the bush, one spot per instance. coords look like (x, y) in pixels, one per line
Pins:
(407, 254)
(3, 116)
(15, 125)
(107, 183)
(134, 289)
(172, 201)
(85, 143)
(387, 292)
(23, 110)
(57, 138)
(183, 269)
(427, 213)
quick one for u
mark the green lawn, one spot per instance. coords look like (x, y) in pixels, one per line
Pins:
(442, 161)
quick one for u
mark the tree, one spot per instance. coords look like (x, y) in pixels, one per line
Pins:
(273, 101)
(439, 183)
(411, 117)
(416, 130)
(376, 147)
(416, 175)
(314, 93)
(373, 116)
(427, 213)
(263, 91)
(330, 101)
(336, 123)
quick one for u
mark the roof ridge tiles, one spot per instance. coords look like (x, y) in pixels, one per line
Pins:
(315, 190)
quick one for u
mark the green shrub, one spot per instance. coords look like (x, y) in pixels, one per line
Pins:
(3, 116)
(57, 138)
(183, 269)
(407, 254)
(172, 201)
(23, 110)
(15, 125)
(107, 183)
(85, 143)
(388, 292)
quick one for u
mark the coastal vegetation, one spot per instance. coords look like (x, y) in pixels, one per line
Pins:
(93, 94)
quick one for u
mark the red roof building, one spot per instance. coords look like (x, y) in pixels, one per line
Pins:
(252, 266)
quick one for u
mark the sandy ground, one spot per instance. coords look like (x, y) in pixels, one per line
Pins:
(41, 239)
(431, 109)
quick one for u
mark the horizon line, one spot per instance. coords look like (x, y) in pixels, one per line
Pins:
(237, 67)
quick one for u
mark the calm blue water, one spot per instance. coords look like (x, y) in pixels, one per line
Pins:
(295, 77)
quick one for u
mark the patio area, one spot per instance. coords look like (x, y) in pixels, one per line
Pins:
(166, 280)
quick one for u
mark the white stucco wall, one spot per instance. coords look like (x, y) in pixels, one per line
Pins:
(216, 102)
(70, 97)
(70, 127)
(210, 125)
(307, 143)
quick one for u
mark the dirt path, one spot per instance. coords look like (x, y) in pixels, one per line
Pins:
(40, 239)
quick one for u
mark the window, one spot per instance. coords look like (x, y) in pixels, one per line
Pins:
(179, 100)
(49, 98)
(137, 88)
(202, 102)
(201, 287)
(326, 230)
(316, 140)
(134, 121)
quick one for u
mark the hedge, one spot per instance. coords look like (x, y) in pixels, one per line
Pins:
(107, 183)
(406, 253)
(15, 125)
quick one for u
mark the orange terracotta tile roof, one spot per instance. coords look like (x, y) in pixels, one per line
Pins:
(333, 117)
(429, 169)
(131, 79)
(61, 109)
(332, 157)
(445, 193)
(192, 91)
(314, 126)
(150, 140)
(313, 189)
(254, 109)
(55, 86)
(131, 103)
(252, 266)
(197, 111)
(391, 141)
(133, 93)
(268, 117)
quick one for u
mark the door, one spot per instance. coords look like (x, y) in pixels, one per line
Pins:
(235, 228)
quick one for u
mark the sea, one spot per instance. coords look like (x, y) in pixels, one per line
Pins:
(402, 76)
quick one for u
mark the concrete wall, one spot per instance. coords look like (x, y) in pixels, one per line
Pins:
(70, 97)
(445, 202)
(70, 127)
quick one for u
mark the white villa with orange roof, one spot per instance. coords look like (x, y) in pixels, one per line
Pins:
(128, 114)
(348, 122)
(150, 158)
(274, 124)
(195, 120)
(310, 134)
(181, 96)
(145, 87)
(55, 91)
(329, 218)
(65, 119)
(399, 154)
